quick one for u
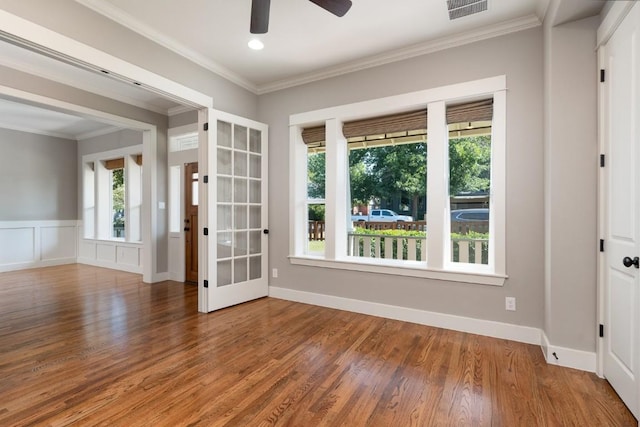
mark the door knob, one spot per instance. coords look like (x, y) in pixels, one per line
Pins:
(187, 229)
(628, 262)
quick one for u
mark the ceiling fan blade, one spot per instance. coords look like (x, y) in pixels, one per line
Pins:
(337, 7)
(260, 16)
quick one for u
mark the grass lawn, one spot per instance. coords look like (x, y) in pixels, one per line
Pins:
(316, 246)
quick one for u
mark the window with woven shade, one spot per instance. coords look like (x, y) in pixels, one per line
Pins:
(415, 190)
(112, 195)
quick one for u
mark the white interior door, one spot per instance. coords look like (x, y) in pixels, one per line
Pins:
(237, 211)
(622, 247)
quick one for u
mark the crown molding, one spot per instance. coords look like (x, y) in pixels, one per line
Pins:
(519, 24)
(117, 15)
(98, 132)
(7, 62)
(11, 126)
(503, 28)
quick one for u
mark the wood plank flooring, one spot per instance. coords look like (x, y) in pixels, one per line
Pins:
(87, 346)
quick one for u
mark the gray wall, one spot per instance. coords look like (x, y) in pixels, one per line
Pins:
(38, 178)
(111, 141)
(183, 119)
(571, 156)
(520, 57)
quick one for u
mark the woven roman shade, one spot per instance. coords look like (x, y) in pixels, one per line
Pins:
(313, 135)
(114, 164)
(119, 163)
(477, 111)
(403, 122)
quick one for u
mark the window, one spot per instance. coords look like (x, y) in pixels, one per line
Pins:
(112, 195)
(390, 208)
(117, 202)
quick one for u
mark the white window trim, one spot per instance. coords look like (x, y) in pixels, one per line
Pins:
(336, 203)
(101, 220)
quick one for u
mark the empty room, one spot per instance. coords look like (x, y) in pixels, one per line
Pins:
(319, 212)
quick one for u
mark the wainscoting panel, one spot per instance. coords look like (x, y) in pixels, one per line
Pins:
(30, 244)
(58, 242)
(125, 256)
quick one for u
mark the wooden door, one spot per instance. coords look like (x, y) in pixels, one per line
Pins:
(191, 222)
(622, 231)
(238, 250)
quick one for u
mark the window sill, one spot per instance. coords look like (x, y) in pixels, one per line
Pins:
(119, 242)
(408, 269)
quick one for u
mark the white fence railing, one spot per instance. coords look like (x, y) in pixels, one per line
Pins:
(414, 248)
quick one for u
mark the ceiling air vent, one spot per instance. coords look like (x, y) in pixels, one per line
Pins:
(460, 8)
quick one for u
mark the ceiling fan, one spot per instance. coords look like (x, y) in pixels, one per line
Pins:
(260, 12)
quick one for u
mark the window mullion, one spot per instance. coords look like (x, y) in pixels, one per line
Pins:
(336, 191)
(437, 191)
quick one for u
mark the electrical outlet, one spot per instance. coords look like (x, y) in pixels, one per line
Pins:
(274, 273)
(510, 303)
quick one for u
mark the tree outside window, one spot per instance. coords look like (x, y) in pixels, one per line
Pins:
(117, 202)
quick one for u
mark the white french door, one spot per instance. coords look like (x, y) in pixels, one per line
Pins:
(236, 198)
(622, 205)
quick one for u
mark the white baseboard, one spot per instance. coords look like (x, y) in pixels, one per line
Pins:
(489, 328)
(36, 264)
(568, 357)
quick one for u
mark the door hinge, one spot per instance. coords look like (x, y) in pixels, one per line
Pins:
(601, 330)
(601, 160)
(205, 179)
(206, 283)
(206, 127)
(206, 231)
(602, 75)
(601, 245)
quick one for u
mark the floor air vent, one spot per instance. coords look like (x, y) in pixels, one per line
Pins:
(460, 8)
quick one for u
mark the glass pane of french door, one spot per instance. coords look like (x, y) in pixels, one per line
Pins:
(239, 204)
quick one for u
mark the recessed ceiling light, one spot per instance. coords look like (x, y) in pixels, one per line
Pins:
(256, 44)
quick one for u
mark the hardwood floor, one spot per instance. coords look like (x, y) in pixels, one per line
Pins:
(89, 346)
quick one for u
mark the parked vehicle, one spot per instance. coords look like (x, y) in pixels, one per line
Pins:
(382, 215)
(466, 215)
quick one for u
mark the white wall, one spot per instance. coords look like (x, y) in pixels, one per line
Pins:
(519, 56)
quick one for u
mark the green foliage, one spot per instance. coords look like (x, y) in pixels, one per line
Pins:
(401, 170)
(117, 196)
(398, 173)
(316, 175)
(470, 163)
(362, 182)
(316, 212)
